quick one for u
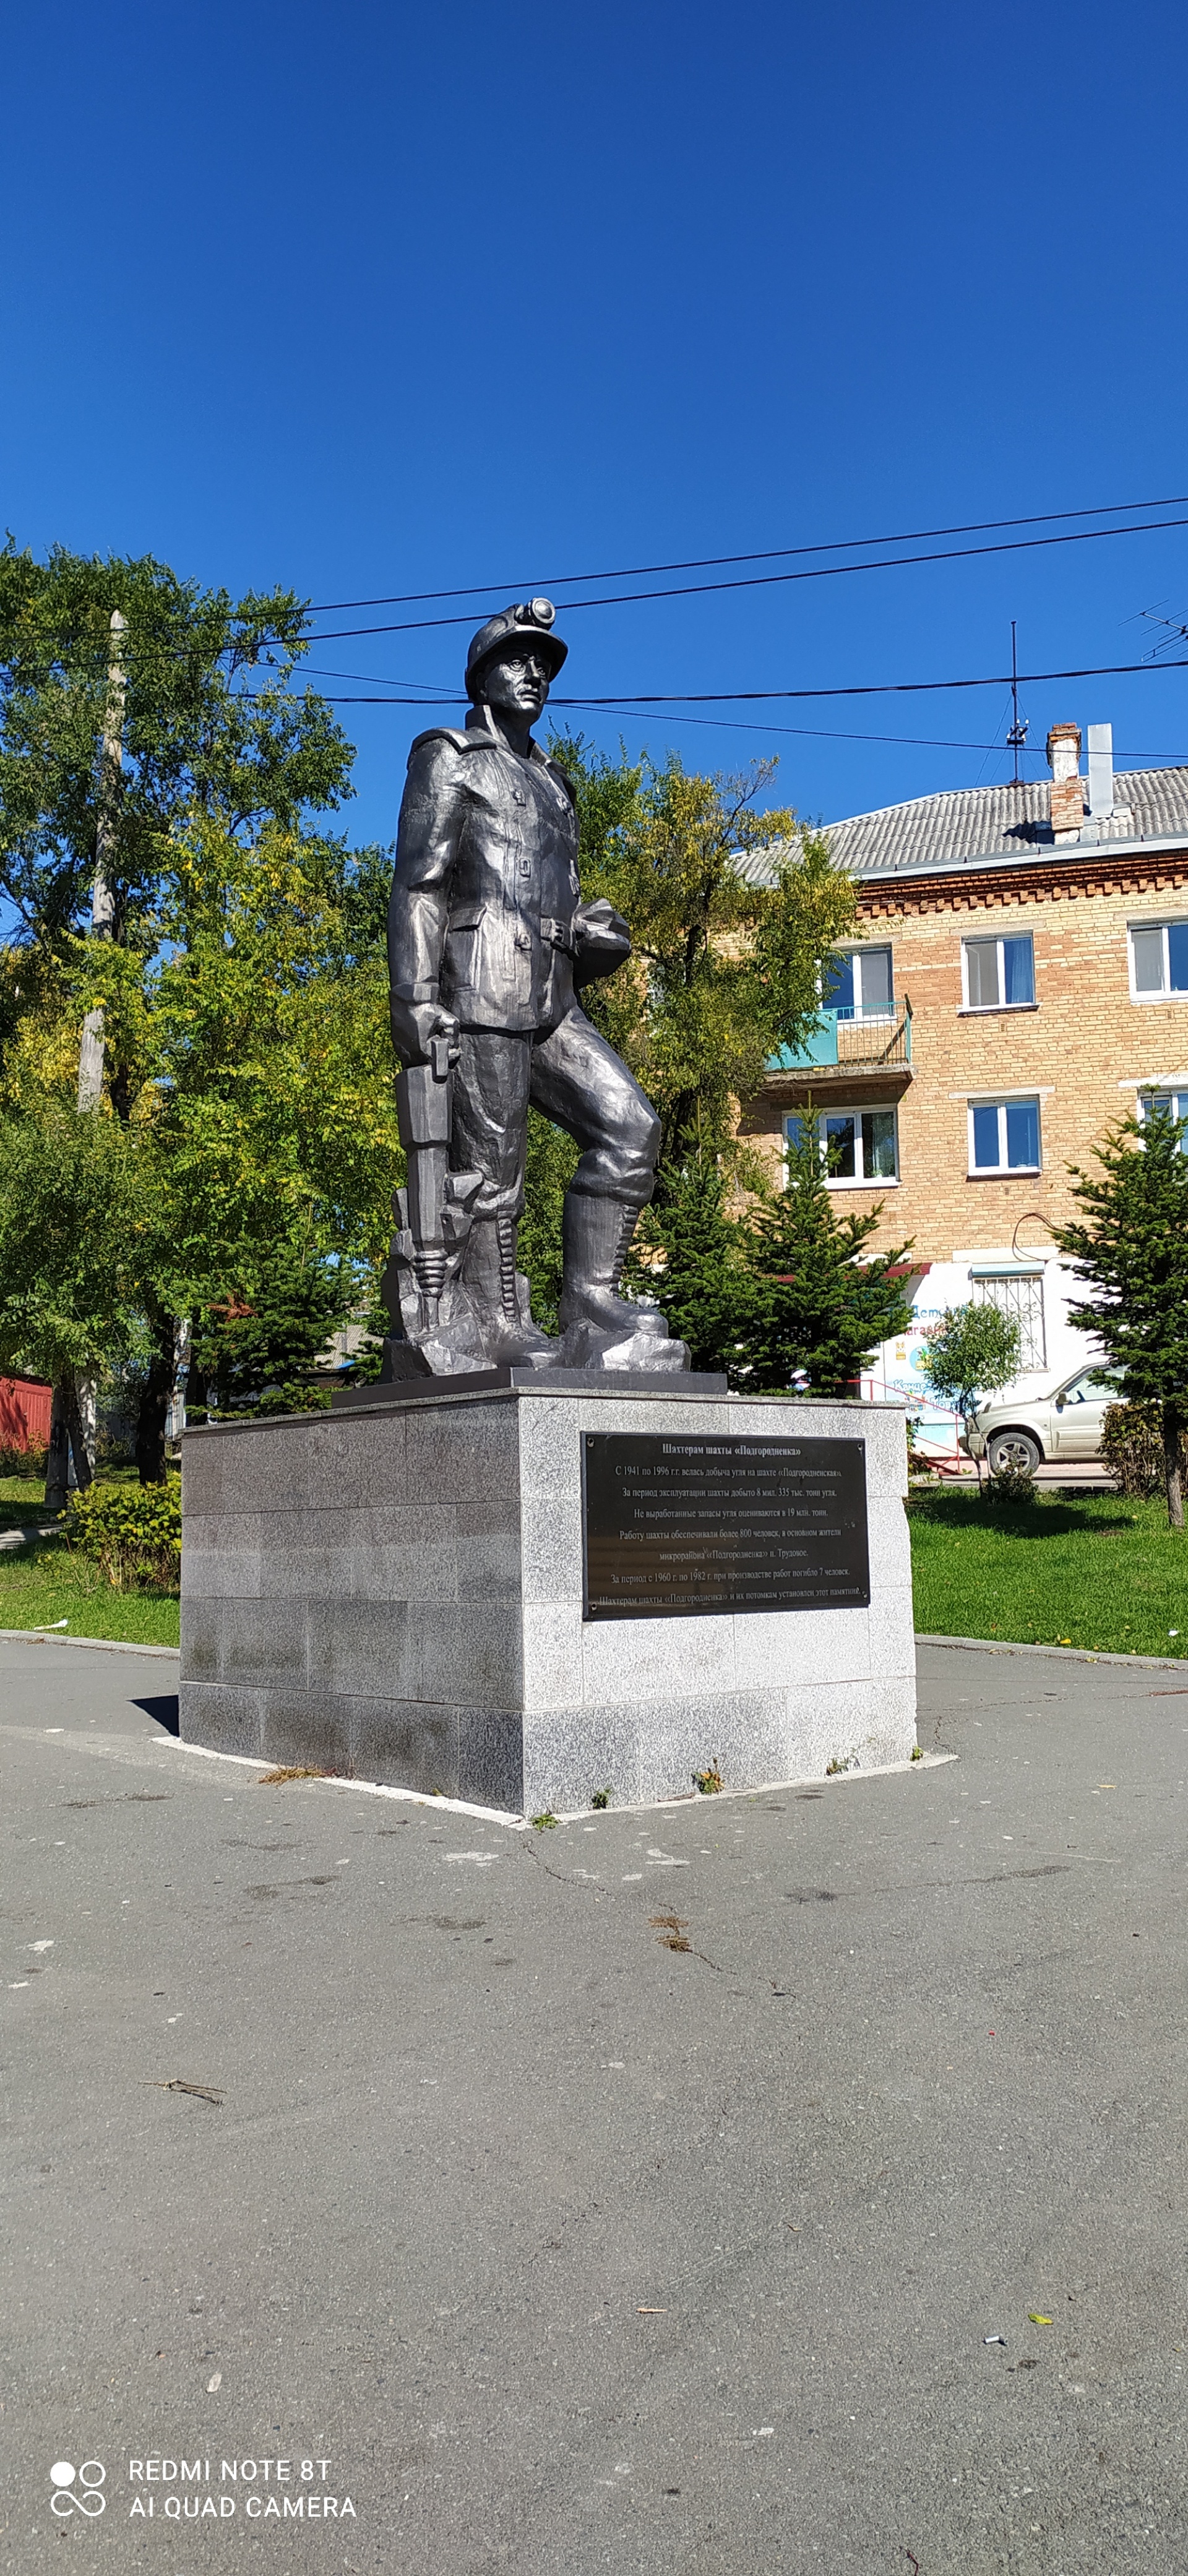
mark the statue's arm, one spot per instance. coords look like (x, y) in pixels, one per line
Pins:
(602, 941)
(427, 840)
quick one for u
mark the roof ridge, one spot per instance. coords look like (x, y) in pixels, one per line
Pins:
(1001, 787)
(964, 825)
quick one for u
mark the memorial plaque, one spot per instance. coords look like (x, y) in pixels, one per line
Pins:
(673, 1528)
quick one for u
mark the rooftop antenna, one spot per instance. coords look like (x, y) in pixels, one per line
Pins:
(1173, 633)
(1018, 732)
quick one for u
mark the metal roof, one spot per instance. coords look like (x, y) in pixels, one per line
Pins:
(970, 824)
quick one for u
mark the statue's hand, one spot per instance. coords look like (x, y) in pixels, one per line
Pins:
(602, 940)
(416, 1024)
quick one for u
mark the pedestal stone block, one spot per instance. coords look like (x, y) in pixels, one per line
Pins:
(397, 1593)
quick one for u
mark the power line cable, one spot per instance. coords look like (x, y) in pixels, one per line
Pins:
(630, 700)
(145, 650)
(769, 554)
(768, 580)
(732, 724)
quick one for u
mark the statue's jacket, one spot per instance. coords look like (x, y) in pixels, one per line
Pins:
(484, 913)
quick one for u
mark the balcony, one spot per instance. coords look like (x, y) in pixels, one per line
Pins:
(843, 1044)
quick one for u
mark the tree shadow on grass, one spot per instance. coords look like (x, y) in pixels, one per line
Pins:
(968, 1510)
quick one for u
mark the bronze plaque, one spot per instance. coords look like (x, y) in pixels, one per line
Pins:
(677, 1527)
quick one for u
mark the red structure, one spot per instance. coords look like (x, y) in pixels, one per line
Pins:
(25, 1407)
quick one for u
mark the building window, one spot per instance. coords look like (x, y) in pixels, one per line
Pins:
(857, 984)
(998, 974)
(1019, 1294)
(1004, 1136)
(859, 1147)
(1158, 959)
(1174, 1104)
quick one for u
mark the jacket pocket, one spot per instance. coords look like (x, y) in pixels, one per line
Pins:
(462, 944)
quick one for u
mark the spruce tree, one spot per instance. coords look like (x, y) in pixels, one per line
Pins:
(1131, 1249)
(694, 1258)
(824, 1301)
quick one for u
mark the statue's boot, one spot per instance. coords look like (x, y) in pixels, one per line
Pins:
(489, 1278)
(596, 1238)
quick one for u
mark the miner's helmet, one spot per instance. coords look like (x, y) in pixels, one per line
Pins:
(526, 621)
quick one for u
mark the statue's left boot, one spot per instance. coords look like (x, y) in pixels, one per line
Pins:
(499, 1296)
(596, 1238)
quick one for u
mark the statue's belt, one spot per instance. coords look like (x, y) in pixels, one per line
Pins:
(558, 933)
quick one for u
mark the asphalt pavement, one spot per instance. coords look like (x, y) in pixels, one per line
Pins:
(634, 2196)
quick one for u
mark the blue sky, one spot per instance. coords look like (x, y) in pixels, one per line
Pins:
(391, 300)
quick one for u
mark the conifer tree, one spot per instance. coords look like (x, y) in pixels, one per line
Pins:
(825, 1302)
(1131, 1249)
(695, 1259)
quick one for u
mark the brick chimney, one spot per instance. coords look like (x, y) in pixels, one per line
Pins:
(1068, 794)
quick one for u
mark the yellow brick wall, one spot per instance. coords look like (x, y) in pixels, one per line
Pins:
(1079, 1048)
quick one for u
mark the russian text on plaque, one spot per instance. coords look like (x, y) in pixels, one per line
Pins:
(675, 1527)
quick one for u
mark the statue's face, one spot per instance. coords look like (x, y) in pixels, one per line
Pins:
(516, 681)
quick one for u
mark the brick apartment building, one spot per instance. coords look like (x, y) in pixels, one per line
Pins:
(1021, 983)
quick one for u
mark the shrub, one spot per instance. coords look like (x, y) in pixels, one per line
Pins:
(1132, 1447)
(132, 1532)
(1008, 1489)
(29, 1461)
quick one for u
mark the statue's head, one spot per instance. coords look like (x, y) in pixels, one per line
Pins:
(513, 658)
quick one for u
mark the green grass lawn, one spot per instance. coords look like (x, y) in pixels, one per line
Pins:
(45, 1582)
(1089, 1570)
(1086, 1570)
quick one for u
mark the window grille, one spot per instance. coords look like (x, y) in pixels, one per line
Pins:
(1021, 1296)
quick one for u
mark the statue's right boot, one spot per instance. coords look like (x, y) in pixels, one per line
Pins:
(489, 1278)
(596, 1238)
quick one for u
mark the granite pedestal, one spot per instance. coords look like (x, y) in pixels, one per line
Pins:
(396, 1594)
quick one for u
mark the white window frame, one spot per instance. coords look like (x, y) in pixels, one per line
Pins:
(1159, 1091)
(857, 1110)
(1164, 923)
(982, 1010)
(1002, 1101)
(855, 951)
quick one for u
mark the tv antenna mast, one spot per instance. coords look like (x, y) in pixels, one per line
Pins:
(1018, 732)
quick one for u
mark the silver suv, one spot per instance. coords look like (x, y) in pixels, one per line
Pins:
(1065, 1424)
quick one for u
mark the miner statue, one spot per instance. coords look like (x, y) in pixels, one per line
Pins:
(489, 947)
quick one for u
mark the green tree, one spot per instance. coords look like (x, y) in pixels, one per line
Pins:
(974, 1350)
(211, 728)
(827, 1299)
(69, 1189)
(726, 957)
(242, 993)
(696, 1259)
(1130, 1247)
(269, 1333)
(260, 1046)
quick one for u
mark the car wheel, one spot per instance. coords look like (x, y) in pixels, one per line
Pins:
(1015, 1449)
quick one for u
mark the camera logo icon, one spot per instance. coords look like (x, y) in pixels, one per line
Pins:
(86, 2496)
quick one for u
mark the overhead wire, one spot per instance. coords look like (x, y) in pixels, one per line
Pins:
(767, 554)
(633, 699)
(763, 581)
(813, 572)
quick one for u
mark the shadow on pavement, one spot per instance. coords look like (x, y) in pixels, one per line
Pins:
(163, 1711)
